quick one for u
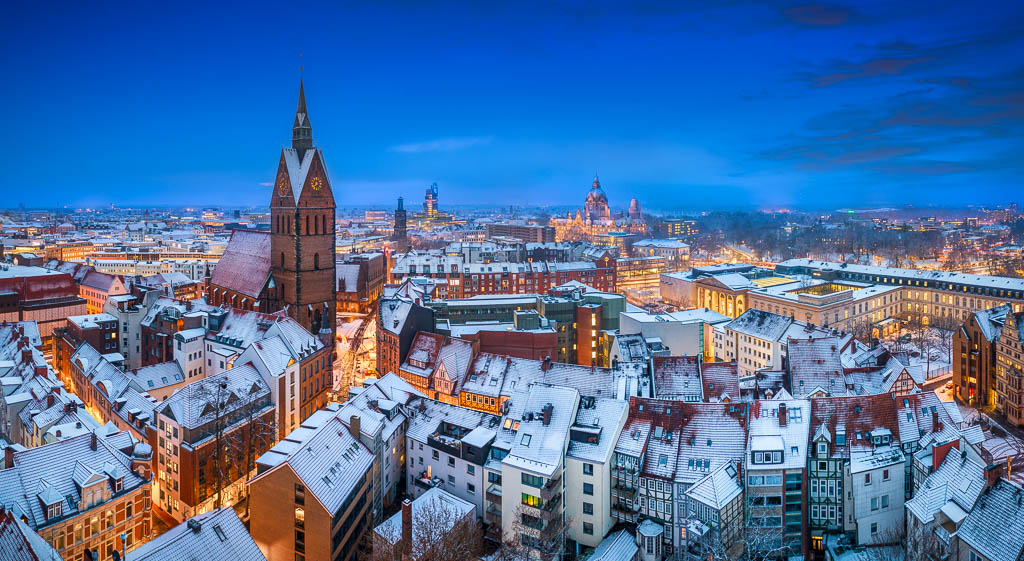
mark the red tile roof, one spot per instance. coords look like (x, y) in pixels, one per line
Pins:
(720, 379)
(245, 265)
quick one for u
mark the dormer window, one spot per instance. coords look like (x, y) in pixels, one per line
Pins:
(118, 484)
(54, 511)
(768, 457)
(822, 449)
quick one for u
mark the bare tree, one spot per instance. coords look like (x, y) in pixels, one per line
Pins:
(755, 543)
(922, 544)
(254, 436)
(238, 429)
(533, 538)
(439, 533)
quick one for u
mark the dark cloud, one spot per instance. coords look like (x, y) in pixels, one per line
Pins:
(871, 68)
(819, 15)
(947, 129)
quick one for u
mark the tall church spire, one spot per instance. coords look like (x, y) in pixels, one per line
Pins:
(302, 131)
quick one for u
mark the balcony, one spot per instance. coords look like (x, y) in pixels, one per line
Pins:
(447, 444)
(493, 494)
(425, 482)
(492, 515)
(624, 490)
(551, 488)
(625, 513)
(551, 506)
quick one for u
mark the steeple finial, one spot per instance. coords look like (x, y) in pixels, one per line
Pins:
(302, 130)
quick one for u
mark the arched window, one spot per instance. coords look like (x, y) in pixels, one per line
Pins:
(316, 224)
(316, 261)
(282, 260)
(307, 224)
(289, 224)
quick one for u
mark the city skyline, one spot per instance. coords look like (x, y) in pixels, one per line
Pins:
(809, 105)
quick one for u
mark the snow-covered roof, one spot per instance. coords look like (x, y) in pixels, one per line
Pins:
(718, 488)
(435, 500)
(217, 534)
(995, 528)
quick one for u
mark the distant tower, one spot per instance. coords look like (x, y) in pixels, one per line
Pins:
(401, 231)
(430, 201)
(634, 209)
(302, 213)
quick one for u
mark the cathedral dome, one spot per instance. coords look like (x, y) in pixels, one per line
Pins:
(596, 194)
(596, 205)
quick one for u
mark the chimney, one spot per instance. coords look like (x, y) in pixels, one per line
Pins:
(26, 355)
(9, 457)
(354, 426)
(547, 364)
(49, 400)
(936, 426)
(992, 474)
(739, 473)
(782, 414)
(546, 414)
(407, 527)
(92, 440)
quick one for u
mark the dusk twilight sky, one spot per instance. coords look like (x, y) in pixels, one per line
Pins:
(680, 104)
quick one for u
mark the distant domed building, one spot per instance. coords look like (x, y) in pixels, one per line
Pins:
(596, 219)
(596, 205)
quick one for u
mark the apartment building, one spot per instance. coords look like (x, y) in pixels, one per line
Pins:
(665, 448)
(209, 434)
(447, 448)
(775, 466)
(588, 468)
(98, 330)
(82, 493)
(1010, 370)
(533, 471)
(974, 356)
(311, 497)
(759, 340)
(380, 411)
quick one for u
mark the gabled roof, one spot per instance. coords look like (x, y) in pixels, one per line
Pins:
(761, 324)
(678, 378)
(435, 499)
(718, 488)
(815, 363)
(19, 542)
(329, 461)
(721, 381)
(218, 534)
(680, 441)
(995, 528)
(194, 404)
(245, 266)
(59, 470)
(958, 479)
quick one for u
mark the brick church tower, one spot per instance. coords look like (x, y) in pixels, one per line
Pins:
(302, 232)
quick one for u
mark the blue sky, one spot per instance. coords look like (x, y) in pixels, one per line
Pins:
(682, 105)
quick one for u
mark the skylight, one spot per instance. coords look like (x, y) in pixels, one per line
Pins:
(526, 440)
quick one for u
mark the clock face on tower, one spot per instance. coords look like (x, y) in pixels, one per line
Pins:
(316, 183)
(282, 185)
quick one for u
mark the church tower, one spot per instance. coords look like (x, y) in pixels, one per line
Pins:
(302, 214)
